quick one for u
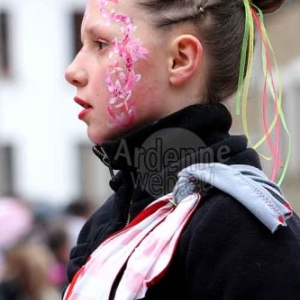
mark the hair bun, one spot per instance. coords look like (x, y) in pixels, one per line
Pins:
(268, 6)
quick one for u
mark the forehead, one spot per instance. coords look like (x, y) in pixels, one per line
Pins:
(93, 8)
(97, 19)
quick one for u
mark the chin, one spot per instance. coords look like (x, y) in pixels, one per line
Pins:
(98, 137)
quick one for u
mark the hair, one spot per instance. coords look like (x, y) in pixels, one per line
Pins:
(29, 263)
(220, 25)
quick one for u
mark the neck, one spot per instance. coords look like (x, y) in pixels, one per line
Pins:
(151, 157)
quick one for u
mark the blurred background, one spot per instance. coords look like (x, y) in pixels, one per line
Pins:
(50, 181)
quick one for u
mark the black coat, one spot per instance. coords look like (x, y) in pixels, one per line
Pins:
(225, 252)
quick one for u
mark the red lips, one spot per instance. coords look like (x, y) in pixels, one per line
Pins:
(86, 107)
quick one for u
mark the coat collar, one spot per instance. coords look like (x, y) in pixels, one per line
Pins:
(151, 157)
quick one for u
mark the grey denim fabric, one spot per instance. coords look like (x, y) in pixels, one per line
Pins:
(247, 184)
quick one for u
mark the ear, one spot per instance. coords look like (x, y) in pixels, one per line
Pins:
(184, 62)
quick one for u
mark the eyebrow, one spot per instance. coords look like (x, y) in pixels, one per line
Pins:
(93, 30)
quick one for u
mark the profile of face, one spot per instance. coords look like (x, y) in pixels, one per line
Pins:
(117, 92)
(122, 72)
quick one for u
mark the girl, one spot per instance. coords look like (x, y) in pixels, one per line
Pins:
(192, 216)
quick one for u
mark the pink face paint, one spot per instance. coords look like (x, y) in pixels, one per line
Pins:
(121, 81)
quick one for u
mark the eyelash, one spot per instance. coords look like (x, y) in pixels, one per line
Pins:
(101, 44)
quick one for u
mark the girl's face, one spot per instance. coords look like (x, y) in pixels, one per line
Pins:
(121, 71)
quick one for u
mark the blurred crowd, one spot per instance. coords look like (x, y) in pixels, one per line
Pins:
(35, 241)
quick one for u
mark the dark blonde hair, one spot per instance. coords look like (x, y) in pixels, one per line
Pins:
(221, 26)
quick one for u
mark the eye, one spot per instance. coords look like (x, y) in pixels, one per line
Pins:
(101, 44)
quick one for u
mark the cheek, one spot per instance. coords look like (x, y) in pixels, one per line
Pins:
(147, 97)
(153, 82)
(145, 93)
(98, 86)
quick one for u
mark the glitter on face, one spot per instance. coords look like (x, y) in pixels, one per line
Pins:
(121, 81)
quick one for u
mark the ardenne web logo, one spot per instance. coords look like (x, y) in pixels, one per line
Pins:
(157, 162)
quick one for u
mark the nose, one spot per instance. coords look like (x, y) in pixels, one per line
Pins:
(75, 74)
